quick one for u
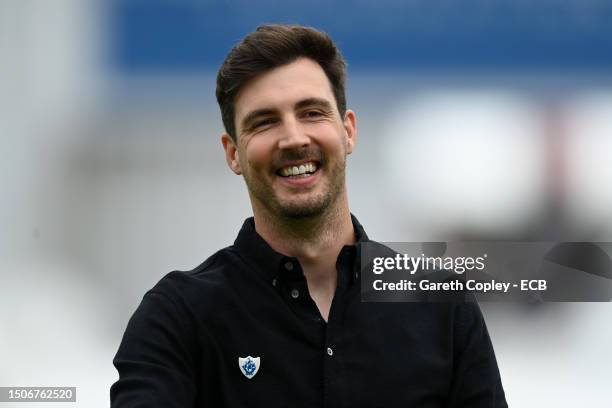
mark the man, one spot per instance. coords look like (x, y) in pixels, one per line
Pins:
(276, 319)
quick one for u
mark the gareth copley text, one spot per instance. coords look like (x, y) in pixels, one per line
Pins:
(456, 285)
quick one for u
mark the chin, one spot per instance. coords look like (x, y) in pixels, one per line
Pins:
(301, 212)
(304, 209)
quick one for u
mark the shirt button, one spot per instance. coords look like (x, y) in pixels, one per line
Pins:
(289, 266)
(274, 282)
(295, 293)
(330, 352)
(356, 275)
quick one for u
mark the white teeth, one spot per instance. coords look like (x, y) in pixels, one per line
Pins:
(295, 170)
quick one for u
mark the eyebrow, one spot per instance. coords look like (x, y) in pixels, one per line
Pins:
(253, 115)
(320, 102)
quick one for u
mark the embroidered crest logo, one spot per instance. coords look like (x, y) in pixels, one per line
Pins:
(249, 366)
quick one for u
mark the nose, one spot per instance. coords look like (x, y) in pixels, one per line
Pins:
(293, 136)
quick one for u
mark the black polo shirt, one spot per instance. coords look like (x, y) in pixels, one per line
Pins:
(241, 330)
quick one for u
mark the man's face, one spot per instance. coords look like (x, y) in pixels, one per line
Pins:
(292, 143)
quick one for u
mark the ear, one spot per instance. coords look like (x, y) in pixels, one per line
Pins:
(231, 153)
(350, 123)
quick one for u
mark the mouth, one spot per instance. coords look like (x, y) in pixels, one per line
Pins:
(301, 170)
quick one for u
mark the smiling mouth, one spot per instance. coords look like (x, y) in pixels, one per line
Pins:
(299, 171)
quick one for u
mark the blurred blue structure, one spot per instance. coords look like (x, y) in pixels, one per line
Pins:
(411, 35)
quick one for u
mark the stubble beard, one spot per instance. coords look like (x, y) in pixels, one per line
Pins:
(312, 206)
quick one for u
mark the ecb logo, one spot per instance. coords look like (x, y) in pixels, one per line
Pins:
(249, 366)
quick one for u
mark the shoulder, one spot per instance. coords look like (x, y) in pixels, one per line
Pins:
(200, 289)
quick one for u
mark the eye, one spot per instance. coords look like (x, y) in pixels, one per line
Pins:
(263, 123)
(313, 114)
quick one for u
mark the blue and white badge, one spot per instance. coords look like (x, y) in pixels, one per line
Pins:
(249, 366)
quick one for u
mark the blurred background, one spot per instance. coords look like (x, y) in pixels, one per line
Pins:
(476, 120)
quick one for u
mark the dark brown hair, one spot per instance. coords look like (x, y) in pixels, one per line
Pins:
(271, 46)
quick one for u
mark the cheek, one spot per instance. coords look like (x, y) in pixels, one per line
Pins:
(333, 140)
(258, 154)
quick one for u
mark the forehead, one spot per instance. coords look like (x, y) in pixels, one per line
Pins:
(281, 87)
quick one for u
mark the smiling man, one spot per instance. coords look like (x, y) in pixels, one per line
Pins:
(290, 144)
(276, 319)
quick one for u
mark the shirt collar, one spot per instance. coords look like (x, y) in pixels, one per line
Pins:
(266, 260)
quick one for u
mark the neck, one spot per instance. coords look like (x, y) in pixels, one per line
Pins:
(315, 241)
(311, 238)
